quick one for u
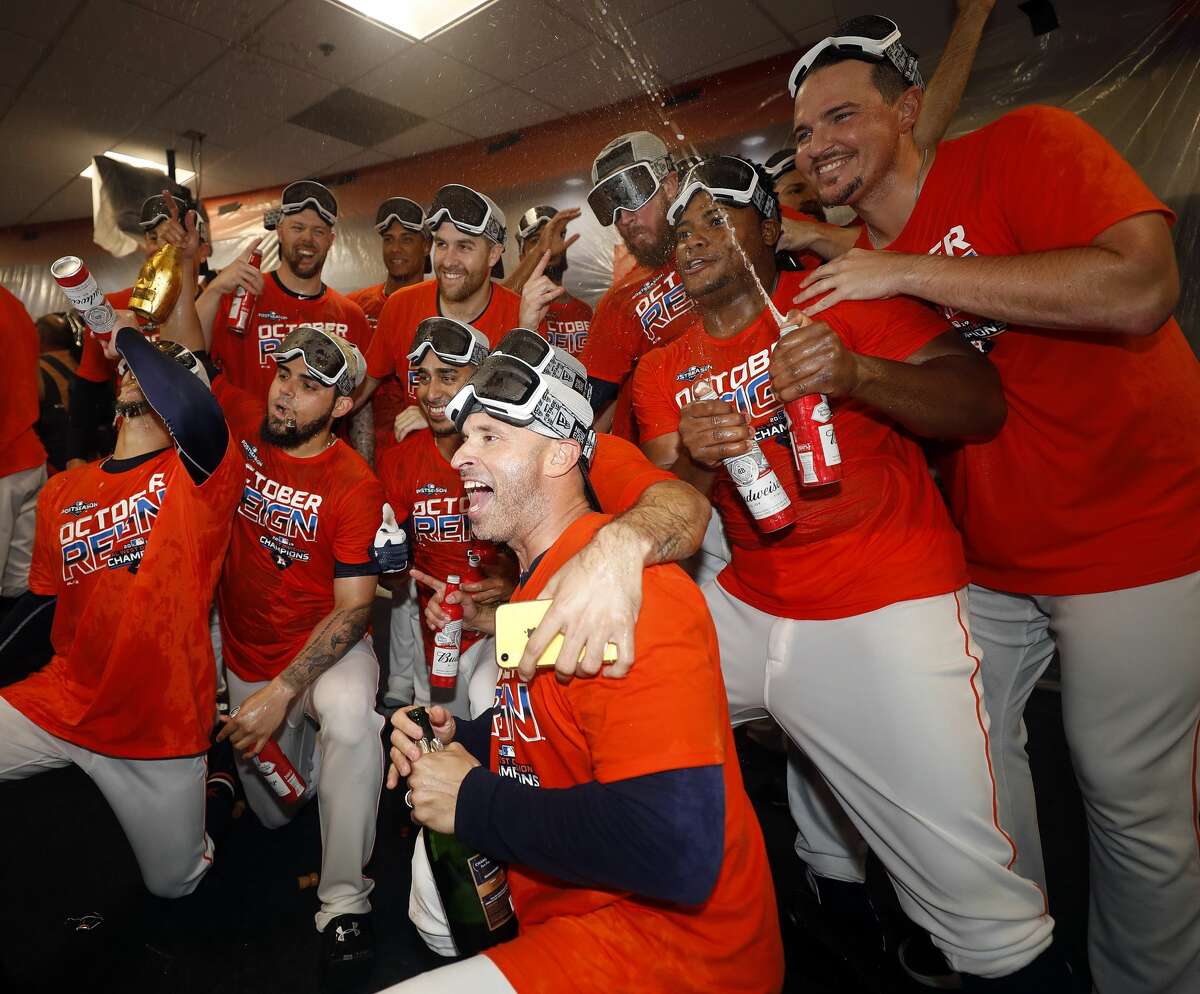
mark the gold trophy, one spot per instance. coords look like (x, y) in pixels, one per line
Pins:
(158, 284)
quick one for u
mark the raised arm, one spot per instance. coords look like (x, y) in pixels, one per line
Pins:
(945, 89)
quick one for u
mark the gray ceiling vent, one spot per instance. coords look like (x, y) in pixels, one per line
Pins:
(356, 117)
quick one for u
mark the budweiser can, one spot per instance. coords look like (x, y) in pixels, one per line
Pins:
(85, 296)
(444, 672)
(277, 770)
(814, 440)
(242, 304)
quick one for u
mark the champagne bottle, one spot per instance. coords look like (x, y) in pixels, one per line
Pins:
(158, 284)
(473, 887)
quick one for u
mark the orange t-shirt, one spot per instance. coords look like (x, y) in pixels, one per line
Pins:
(638, 314)
(1093, 483)
(93, 364)
(246, 358)
(566, 324)
(133, 557)
(879, 536)
(407, 308)
(668, 714)
(299, 524)
(390, 398)
(20, 447)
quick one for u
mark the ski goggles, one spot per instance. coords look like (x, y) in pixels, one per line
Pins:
(627, 189)
(781, 163)
(155, 210)
(400, 210)
(451, 341)
(514, 392)
(728, 180)
(533, 350)
(470, 212)
(173, 350)
(305, 194)
(332, 361)
(532, 221)
(879, 39)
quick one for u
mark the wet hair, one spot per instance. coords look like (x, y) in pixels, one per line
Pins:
(886, 77)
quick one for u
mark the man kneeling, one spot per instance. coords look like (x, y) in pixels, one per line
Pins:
(635, 858)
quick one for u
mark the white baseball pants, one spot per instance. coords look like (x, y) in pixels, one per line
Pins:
(332, 737)
(159, 802)
(888, 707)
(1130, 663)
(18, 516)
(408, 676)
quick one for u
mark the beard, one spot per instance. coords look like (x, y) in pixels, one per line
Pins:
(517, 504)
(304, 268)
(292, 435)
(462, 289)
(655, 254)
(841, 196)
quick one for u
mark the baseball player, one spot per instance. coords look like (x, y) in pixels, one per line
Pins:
(849, 628)
(294, 600)
(405, 245)
(287, 297)
(127, 555)
(641, 866)
(567, 319)
(1046, 250)
(468, 232)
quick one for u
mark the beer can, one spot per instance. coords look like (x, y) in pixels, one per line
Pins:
(85, 295)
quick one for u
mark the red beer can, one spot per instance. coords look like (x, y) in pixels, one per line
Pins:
(275, 768)
(814, 440)
(444, 672)
(242, 304)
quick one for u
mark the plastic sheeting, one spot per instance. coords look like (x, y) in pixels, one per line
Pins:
(1133, 72)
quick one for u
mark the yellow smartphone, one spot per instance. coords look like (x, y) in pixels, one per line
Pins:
(514, 626)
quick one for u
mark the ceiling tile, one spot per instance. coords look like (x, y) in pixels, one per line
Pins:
(613, 17)
(683, 39)
(41, 19)
(150, 143)
(230, 19)
(796, 16)
(741, 59)
(101, 35)
(595, 76)
(73, 200)
(243, 79)
(359, 160)
(356, 117)
(423, 138)
(511, 38)
(18, 54)
(424, 81)
(192, 111)
(501, 110)
(288, 153)
(295, 33)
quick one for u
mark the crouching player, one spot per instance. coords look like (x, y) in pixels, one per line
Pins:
(642, 865)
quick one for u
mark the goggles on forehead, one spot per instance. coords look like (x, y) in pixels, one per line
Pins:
(400, 210)
(305, 194)
(728, 180)
(173, 350)
(532, 221)
(627, 189)
(514, 392)
(533, 350)
(468, 211)
(155, 211)
(326, 359)
(878, 39)
(781, 163)
(450, 340)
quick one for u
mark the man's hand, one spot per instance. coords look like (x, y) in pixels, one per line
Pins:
(238, 273)
(552, 238)
(406, 733)
(185, 234)
(712, 430)
(437, 619)
(258, 717)
(813, 359)
(125, 319)
(797, 236)
(435, 781)
(540, 291)
(597, 595)
(860, 274)
(490, 590)
(411, 419)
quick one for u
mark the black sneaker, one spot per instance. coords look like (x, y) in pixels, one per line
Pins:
(347, 949)
(926, 964)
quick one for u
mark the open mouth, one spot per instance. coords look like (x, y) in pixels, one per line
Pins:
(827, 171)
(695, 265)
(479, 497)
(435, 410)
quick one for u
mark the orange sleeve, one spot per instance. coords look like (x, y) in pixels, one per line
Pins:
(890, 329)
(621, 474)
(381, 355)
(242, 411)
(358, 520)
(666, 714)
(44, 571)
(1060, 182)
(655, 409)
(93, 366)
(611, 346)
(358, 331)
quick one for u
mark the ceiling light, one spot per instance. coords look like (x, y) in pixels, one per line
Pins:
(419, 19)
(181, 175)
(574, 181)
(754, 140)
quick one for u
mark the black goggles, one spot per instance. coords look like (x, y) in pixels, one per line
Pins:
(627, 189)
(451, 341)
(877, 38)
(782, 162)
(514, 392)
(325, 359)
(400, 210)
(156, 210)
(307, 193)
(468, 211)
(533, 350)
(728, 180)
(532, 221)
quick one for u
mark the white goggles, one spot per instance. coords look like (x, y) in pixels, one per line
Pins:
(885, 46)
(728, 180)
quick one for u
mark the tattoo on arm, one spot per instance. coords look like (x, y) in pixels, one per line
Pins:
(362, 432)
(340, 630)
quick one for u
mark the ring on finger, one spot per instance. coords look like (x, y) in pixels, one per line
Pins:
(408, 798)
